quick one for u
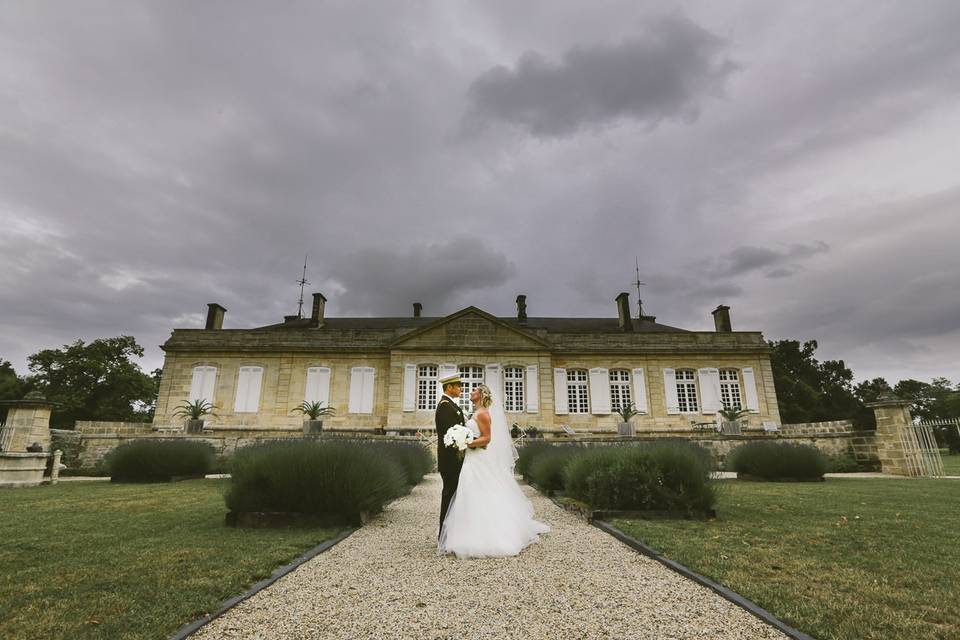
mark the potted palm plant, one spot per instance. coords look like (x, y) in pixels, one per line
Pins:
(626, 412)
(314, 412)
(194, 412)
(731, 418)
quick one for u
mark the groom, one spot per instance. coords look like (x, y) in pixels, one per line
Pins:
(448, 414)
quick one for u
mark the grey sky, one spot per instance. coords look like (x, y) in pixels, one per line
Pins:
(796, 162)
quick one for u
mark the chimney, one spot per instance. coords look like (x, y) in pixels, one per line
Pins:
(522, 308)
(417, 308)
(623, 309)
(316, 317)
(215, 316)
(721, 319)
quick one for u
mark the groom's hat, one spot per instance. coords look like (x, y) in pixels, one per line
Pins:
(453, 378)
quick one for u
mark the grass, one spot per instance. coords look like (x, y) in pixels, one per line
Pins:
(951, 463)
(842, 559)
(100, 560)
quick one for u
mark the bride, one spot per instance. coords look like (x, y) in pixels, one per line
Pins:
(488, 516)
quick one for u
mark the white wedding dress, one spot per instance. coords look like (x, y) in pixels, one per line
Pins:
(489, 516)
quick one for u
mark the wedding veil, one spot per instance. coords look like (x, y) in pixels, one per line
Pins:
(501, 450)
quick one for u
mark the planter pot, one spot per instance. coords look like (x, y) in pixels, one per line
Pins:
(312, 427)
(194, 426)
(625, 429)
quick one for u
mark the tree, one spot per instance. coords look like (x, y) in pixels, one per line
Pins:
(12, 386)
(95, 381)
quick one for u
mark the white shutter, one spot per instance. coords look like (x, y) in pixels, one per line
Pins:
(640, 391)
(533, 389)
(600, 391)
(202, 384)
(356, 390)
(560, 401)
(443, 371)
(318, 385)
(670, 391)
(409, 387)
(709, 389)
(493, 379)
(249, 382)
(366, 396)
(750, 387)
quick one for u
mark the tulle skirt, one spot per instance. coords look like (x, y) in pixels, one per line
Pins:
(489, 516)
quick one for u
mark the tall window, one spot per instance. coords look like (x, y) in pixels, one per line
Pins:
(620, 388)
(577, 399)
(687, 391)
(249, 383)
(426, 387)
(730, 389)
(513, 396)
(470, 377)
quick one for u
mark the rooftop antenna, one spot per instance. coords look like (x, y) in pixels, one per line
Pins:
(302, 281)
(639, 284)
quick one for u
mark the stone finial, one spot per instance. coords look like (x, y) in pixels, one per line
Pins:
(215, 316)
(721, 319)
(522, 308)
(623, 311)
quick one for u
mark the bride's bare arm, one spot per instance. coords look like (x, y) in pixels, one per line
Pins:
(483, 422)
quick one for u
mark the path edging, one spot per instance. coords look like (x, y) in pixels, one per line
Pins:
(724, 592)
(188, 629)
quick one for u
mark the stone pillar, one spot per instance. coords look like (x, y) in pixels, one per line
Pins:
(893, 428)
(28, 421)
(55, 469)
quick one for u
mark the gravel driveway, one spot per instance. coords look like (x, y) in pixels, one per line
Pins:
(385, 581)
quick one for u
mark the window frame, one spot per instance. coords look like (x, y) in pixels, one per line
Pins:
(623, 387)
(516, 403)
(727, 385)
(427, 401)
(688, 381)
(578, 392)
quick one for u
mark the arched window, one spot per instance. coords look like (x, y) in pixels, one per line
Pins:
(471, 375)
(620, 394)
(513, 389)
(730, 389)
(578, 400)
(687, 391)
(426, 387)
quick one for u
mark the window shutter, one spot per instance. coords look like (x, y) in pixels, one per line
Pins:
(560, 392)
(202, 383)
(492, 378)
(750, 388)
(243, 388)
(366, 395)
(318, 385)
(670, 391)
(356, 389)
(709, 389)
(600, 391)
(443, 371)
(640, 391)
(253, 391)
(533, 389)
(409, 387)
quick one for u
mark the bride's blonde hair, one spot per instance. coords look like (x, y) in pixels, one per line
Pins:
(486, 397)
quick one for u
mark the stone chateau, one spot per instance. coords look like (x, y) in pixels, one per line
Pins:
(381, 373)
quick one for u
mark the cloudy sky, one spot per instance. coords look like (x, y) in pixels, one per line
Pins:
(795, 161)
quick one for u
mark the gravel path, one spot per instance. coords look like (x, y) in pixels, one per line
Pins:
(385, 581)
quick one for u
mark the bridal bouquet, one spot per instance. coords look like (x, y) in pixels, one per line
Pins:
(458, 436)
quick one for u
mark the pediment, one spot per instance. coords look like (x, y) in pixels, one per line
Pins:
(470, 328)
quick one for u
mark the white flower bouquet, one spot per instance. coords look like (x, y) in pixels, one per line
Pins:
(458, 436)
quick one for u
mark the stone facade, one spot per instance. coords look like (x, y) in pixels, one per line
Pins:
(469, 337)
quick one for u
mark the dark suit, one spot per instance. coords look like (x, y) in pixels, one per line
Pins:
(449, 463)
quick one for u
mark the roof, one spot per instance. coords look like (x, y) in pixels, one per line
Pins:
(552, 325)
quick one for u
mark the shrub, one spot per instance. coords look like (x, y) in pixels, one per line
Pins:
(158, 460)
(843, 464)
(528, 452)
(326, 477)
(778, 461)
(547, 468)
(656, 476)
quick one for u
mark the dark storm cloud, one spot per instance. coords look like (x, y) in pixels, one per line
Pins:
(744, 259)
(665, 72)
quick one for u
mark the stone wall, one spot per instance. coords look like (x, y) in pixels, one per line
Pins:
(817, 428)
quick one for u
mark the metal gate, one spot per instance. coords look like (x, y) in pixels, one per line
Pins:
(920, 449)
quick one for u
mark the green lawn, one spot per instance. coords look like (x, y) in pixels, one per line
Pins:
(100, 560)
(846, 558)
(951, 464)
